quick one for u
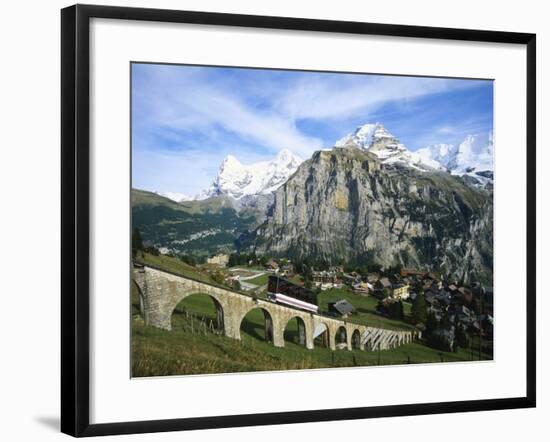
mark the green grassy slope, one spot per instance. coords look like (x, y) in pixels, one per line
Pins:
(187, 349)
(181, 351)
(176, 266)
(365, 307)
(200, 228)
(159, 353)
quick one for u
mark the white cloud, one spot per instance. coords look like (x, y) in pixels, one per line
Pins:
(203, 114)
(321, 97)
(192, 103)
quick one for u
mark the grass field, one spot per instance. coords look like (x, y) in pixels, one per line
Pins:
(365, 309)
(181, 351)
(259, 280)
(176, 266)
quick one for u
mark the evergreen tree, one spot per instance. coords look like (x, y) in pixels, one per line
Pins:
(431, 323)
(461, 337)
(188, 259)
(137, 242)
(418, 311)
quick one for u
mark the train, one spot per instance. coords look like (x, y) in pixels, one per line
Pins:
(284, 292)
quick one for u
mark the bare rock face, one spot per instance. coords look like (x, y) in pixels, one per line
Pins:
(344, 205)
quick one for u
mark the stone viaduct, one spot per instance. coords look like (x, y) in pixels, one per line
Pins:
(161, 291)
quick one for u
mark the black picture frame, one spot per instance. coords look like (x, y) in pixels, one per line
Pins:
(75, 211)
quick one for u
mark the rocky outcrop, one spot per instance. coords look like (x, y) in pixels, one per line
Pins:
(346, 205)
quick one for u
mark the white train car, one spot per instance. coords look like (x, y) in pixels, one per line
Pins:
(293, 302)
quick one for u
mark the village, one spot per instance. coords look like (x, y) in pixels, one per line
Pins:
(449, 313)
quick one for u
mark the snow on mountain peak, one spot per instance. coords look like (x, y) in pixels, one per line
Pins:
(373, 137)
(473, 154)
(230, 163)
(438, 154)
(376, 139)
(238, 180)
(175, 196)
(365, 136)
(472, 157)
(286, 159)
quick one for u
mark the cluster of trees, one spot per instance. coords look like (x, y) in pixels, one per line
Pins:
(218, 277)
(419, 312)
(360, 270)
(192, 260)
(236, 259)
(456, 335)
(393, 310)
(139, 248)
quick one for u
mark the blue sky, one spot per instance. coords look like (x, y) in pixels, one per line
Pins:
(186, 119)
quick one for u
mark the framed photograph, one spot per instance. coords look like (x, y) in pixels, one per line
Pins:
(275, 220)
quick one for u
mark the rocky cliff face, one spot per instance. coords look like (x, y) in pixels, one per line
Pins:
(346, 205)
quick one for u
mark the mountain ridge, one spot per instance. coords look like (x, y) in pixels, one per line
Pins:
(348, 205)
(473, 157)
(239, 180)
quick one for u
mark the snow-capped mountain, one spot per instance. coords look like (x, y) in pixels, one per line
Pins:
(239, 180)
(245, 182)
(475, 153)
(437, 152)
(175, 196)
(473, 157)
(375, 138)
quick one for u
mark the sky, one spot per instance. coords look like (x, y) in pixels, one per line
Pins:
(186, 119)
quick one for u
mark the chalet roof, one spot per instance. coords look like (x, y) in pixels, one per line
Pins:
(385, 282)
(342, 306)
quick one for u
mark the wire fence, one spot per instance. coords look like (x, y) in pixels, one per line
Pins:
(197, 324)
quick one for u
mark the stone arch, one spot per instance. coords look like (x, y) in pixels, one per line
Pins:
(219, 319)
(268, 328)
(356, 340)
(139, 291)
(341, 337)
(322, 335)
(300, 335)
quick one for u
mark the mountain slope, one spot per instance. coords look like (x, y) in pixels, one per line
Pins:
(347, 204)
(200, 228)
